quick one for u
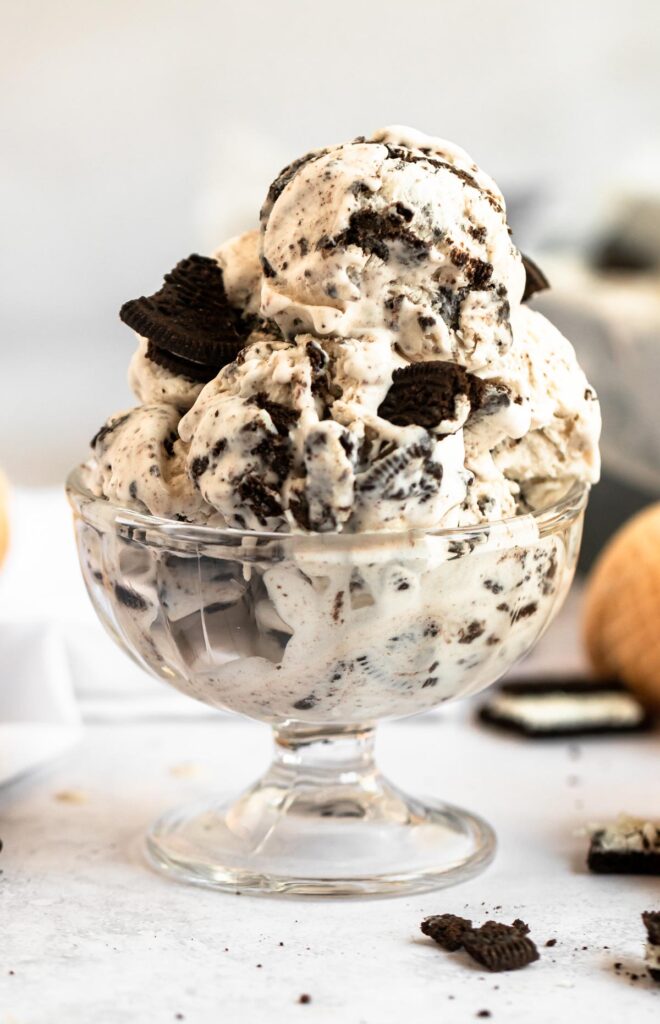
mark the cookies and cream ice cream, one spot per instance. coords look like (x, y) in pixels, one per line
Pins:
(363, 362)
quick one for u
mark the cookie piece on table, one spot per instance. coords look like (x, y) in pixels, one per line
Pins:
(630, 846)
(447, 930)
(547, 708)
(501, 947)
(651, 919)
(498, 947)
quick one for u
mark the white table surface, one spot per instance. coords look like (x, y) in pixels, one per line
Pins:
(88, 935)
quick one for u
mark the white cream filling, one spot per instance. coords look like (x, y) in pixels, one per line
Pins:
(629, 835)
(547, 711)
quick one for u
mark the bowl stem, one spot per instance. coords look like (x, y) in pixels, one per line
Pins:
(322, 821)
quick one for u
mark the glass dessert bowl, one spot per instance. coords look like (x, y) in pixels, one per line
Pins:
(321, 637)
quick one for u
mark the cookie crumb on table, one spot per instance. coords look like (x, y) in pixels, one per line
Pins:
(72, 796)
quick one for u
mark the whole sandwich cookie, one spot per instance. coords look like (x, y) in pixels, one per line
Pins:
(651, 919)
(630, 846)
(558, 707)
(622, 607)
(190, 325)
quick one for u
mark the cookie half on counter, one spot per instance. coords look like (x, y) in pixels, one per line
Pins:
(546, 708)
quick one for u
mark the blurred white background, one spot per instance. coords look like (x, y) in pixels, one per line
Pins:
(136, 132)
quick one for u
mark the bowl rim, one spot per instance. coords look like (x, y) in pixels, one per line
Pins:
(545, 520)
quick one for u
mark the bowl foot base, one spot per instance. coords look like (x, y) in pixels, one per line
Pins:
(339, 830)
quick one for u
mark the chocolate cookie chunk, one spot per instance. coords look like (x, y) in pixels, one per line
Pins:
(284, 419)
(447, 930)
(535, 279)
(190, 317)
(426, 394)
(628, 847)
(182, 367)
(501, 947)
(374, 232)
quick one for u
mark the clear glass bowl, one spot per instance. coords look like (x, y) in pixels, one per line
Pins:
(322, 636)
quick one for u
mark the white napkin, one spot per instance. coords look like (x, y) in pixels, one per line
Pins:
(39, 716)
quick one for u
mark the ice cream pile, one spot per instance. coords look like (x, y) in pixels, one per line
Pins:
(365, 361)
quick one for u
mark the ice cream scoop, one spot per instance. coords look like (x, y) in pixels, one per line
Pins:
(363, 362)
(399, 231)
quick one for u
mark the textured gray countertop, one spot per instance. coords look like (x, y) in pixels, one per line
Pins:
(90, 934)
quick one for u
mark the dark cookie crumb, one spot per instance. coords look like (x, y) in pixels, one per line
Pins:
(519, 925)
(446, 929)
(199, 466)
(259, 498)
(305, 998)
(129, 598)
(275, 450)
(501, 947)
(471, 632)
(283, 418)
(525, 612)
(306, 703)
(478, 272)
(267, 268)
(168, 444)
(299, 508)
